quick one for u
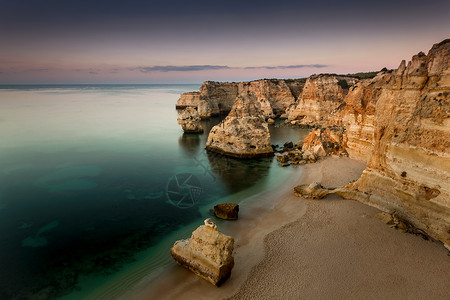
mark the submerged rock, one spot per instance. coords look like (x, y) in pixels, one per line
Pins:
(244, 133)
(189, 119)
(208, 253)
(227, 211)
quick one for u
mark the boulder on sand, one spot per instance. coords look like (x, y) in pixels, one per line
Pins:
(208, 253)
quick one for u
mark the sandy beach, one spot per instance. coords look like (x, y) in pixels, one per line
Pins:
(316, 249)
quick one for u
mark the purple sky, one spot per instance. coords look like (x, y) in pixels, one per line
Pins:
(165, 41)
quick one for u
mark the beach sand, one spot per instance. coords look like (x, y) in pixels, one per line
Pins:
(315, 249)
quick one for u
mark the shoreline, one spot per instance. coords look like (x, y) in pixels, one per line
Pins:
(249, 232)
(338, 249)
(314, 249)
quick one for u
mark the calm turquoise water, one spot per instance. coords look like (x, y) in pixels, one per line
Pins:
(94, 178)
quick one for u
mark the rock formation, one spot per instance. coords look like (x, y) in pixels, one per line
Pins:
(244, 133)
(189, 119)
(227, 211)
(208, 253)
(358, 115)
(325, 141)
(214, 98)
(322, 96)
(409, 168)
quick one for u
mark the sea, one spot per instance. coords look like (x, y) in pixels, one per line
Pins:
(98, 181)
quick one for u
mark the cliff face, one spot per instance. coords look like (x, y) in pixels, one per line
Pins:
(214, 98)
(189, 119)
(358, 116)
(244, 132)
(409, 169)
(322, 97)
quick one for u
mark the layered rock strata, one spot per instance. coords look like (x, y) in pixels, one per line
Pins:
(244, 133)
(214, 98)
(208, 253)
(409, 169)
(321, 98)
(358, 115)
(189, 119)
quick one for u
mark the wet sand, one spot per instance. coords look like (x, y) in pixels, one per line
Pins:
(315, 249)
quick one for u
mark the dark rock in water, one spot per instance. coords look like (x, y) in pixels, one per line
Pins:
(227, 211)
(283, 158)
(288, 144)
(208, 253)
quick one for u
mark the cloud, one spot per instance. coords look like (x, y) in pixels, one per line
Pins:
(191, 68)
(287, 67)
(37, 70)
(182, 68)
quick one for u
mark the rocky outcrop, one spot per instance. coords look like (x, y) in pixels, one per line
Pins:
(325, 141)
(322, 97)
(227, 211)
(214, 98)
(244, 133)
(409, 168)
(189, 119)
(208, 253)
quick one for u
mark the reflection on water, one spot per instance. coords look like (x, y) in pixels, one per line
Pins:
(237, 174)
(190, 143)
(85, 174)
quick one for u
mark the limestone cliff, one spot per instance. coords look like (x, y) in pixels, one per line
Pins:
(406, 117)
(189, 119)
(409, 170)
(358, 115)
(244, 132)
(322, 97)
(214, 98)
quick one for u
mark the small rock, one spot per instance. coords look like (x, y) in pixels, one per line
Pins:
(288, 144)
(312, 191)
(270, 121)
(283, 158)
(227, 211)
(210, 223)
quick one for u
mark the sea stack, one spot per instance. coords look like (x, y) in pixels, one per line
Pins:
(208, 253)
(189, 119)
(244, 133)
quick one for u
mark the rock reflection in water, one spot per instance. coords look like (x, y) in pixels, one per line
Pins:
(238, 174)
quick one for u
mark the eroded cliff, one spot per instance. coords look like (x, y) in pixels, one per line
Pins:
(321, 98)
(244, 133)
(214, 98)
(409, 169)
(400, 122)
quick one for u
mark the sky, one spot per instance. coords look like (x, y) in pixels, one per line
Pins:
(179, 41)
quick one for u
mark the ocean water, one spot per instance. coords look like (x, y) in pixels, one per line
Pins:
(97, 180)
